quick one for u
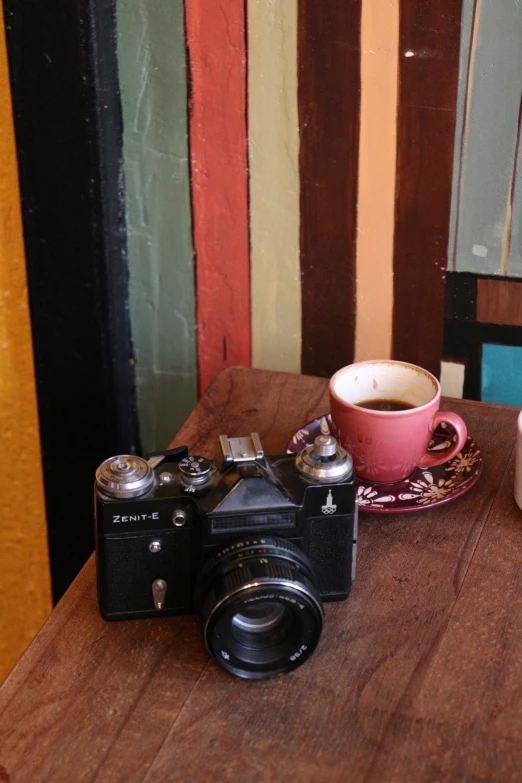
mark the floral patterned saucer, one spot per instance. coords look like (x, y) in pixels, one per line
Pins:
(425, 488)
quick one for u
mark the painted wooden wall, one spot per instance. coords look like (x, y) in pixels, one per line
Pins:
(483, 318)
(340, 159)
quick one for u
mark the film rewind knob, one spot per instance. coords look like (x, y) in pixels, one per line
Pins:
(324, 461)
(325, 446)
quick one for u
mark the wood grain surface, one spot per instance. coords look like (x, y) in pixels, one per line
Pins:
(416, 678)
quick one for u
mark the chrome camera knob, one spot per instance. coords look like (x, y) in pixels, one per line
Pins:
(195, 470)
(124, 476)
(324, 461)
(325, 446)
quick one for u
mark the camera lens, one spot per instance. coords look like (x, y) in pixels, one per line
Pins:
(262, 624)
(264, 616)
(261, 613)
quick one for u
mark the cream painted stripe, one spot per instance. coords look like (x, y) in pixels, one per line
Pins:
(376, 199)
(25, 589)
(506, 232)
(274, 184)
(508, 226)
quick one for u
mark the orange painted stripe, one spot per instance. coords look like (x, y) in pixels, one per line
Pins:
(219, 173)
(25, 583)
(377, 164)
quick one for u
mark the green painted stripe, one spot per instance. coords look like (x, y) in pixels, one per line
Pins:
(151, 55)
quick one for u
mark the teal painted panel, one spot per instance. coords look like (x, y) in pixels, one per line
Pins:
(502, 374)
(152, 69)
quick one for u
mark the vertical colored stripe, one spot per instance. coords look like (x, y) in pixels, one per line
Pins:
(218, 156)
(514, 266)
(25, 590)
(274, 184)
(468, 45)
(508, 226)
(377, 162)
(329, 101)
(152, 68)
(428, 77)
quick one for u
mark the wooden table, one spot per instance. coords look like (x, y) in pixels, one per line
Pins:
(418, 676)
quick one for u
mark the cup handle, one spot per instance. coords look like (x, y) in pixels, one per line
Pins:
(429, 460)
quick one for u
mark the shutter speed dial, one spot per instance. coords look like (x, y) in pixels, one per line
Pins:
(195, 470)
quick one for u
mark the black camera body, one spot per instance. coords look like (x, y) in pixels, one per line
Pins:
(179, 534)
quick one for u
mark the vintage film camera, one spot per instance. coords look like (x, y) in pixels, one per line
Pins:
(251, 543)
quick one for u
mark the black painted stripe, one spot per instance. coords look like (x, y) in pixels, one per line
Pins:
(64, 83)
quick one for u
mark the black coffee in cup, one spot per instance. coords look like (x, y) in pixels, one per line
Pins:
(385, 404)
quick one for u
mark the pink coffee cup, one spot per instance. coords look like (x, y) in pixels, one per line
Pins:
(387, 445)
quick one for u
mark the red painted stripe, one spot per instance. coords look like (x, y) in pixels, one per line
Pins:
(219, 174)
